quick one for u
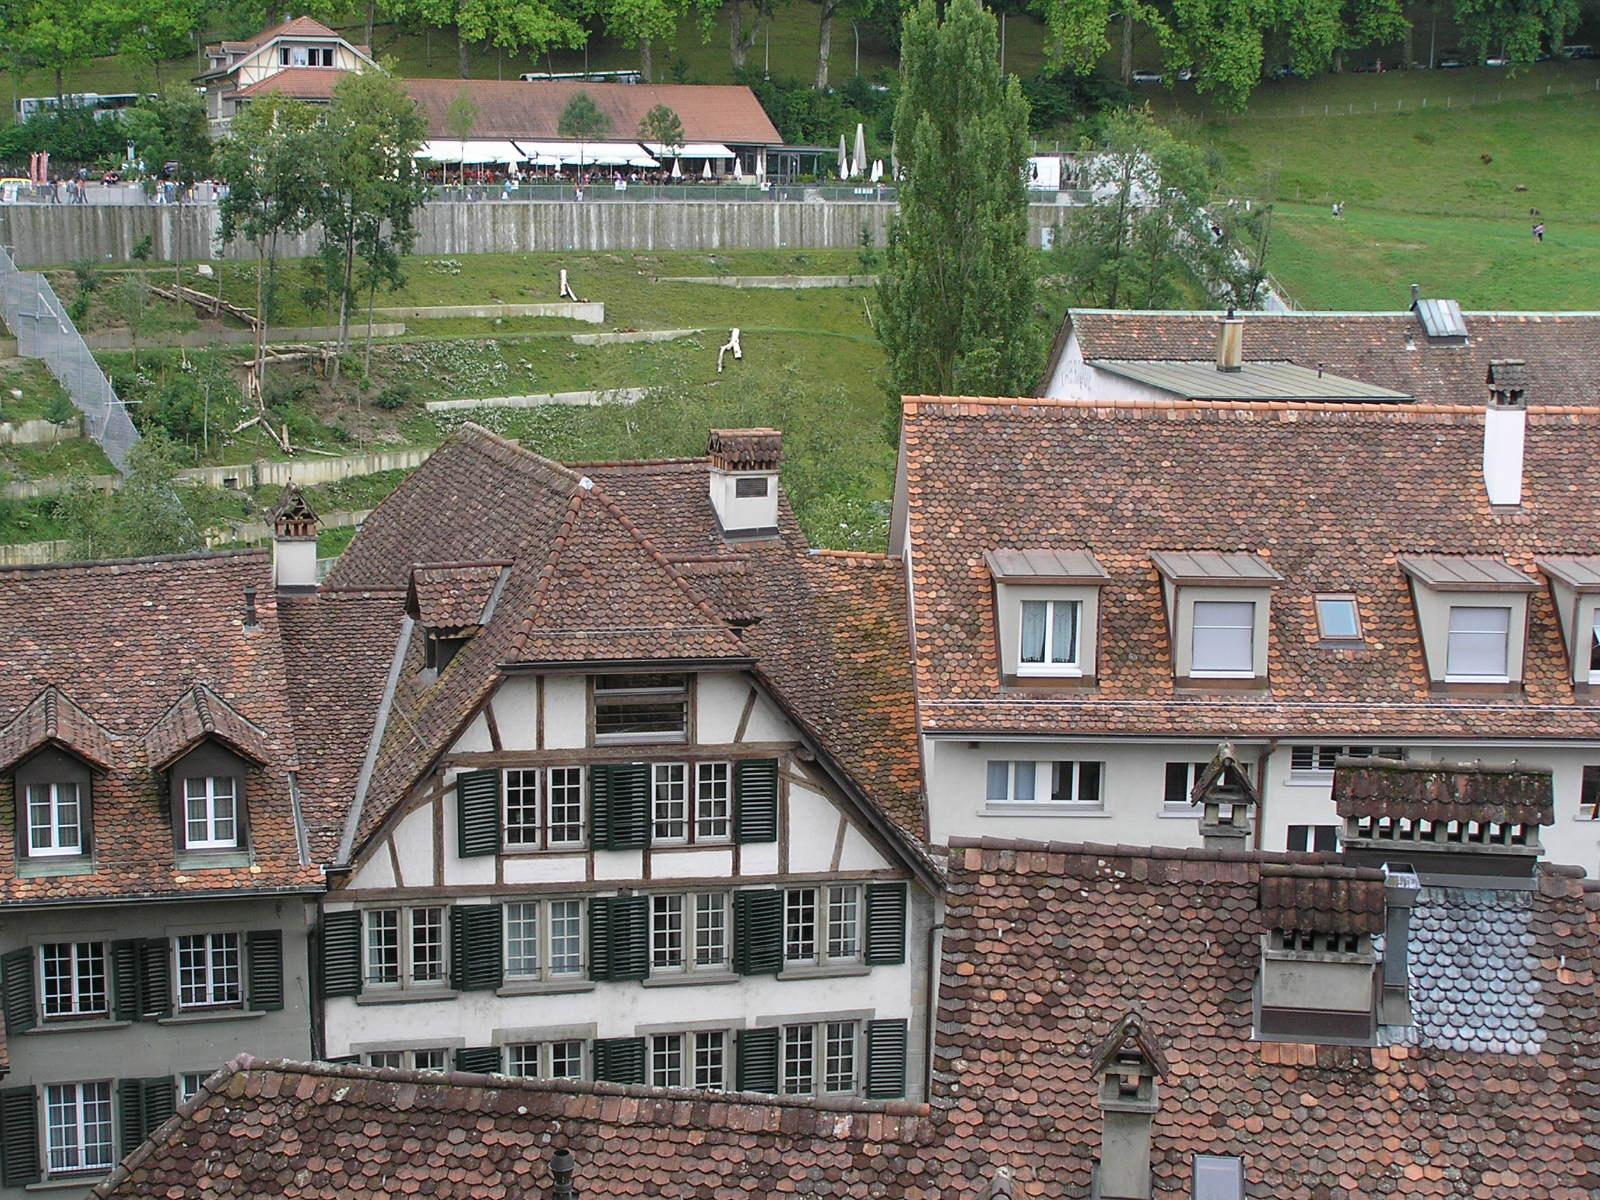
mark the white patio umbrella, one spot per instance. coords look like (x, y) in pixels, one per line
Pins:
(858, 164)
(677, 168)
(877, 169)
(738, 174)
(705, 171)
(844, 159)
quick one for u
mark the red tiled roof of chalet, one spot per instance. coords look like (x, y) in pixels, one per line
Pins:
(1048, 945)
(323, 1132)
(1387, 349)
(1328, 495)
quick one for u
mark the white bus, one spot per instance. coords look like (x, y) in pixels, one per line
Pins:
(101, 105)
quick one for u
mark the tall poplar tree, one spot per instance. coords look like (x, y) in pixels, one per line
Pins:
(957, 287)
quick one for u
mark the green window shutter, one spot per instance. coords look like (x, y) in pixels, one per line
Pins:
(619, 1060)
(155, 978)
(16, 986)
(758, 932)
(479, 1060)
(477, 813)
(125, 980)
(600, 806)
(628, 806)
(756, 803)
(886, 1060)
(142, 1106)
(19, 1137)
(475, 944)
(160, 1102)
(886, 924)
(263, 950)
(630, 938)
(341, 954)
(757, 1058)
(600, 937)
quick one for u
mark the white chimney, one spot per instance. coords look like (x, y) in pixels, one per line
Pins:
(744, 480)
(1230, 343)
(1505, 428)
(294, 543)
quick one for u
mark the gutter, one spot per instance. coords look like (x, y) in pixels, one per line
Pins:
(1261, 788)
(166, 897)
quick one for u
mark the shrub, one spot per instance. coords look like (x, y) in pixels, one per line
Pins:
(1067, 98)
(392, 397)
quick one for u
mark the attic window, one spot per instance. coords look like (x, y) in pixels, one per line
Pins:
(1218, 1177)
(1311, 942)
(640, 708)
(1338, 619)
(440, 649)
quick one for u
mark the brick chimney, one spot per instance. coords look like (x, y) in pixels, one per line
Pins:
(1505, 429)
(744, 481)
(1226, 798)
(1128, 1062)
(1230, 343)
(294, 543)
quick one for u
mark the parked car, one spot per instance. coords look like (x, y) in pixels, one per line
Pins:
(1147, 76)
(1580, 51)
(1497, 62)
(1452, 61)
(1285, 71)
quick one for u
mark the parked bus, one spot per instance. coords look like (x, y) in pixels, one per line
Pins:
(101, 105)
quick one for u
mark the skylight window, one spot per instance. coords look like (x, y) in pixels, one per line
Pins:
(1338, 619)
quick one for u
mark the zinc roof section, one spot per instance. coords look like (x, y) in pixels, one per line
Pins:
(1442, 318)
(1254, 380)
(1582, 575)
(1214, 569)
(1044, 566)
(1465, 573)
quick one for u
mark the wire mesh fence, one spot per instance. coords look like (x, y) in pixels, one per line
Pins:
(35, 315)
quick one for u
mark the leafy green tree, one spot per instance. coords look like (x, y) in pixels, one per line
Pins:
(664, 127)
(60, 411)
(582, 121)
(146, 515)
(741, 37)
(830, 11)
(270, 161)
(372, 189)
(460, 119)
(172, 128)
(130, 303)
(1516, 28)
(515, 25)
(640, 23)
(957, 288)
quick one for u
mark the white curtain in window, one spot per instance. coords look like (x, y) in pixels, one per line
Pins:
(1224, 636)
(1064, 631)
(1477, 643)
(1033, 617)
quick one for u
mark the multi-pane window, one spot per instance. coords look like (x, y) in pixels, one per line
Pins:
(820, 1059)
(211, 812)
(669, 791)
(1324, 839)
(713, 801)
(666, 931)
(640, 708)
(1589, 794)
(710, 1048)
(1224, 638)
(1478, 643)
(837, 938)
(1026, 782)
(561, 1059)
(666, 1060)
(190, 1083)
(405, 945)
(208, 970)
(407, 1060)
(689, 931)
(1180, 781)
(544, 939)
(1318, 761)
(697, 1059)
(544, 807)
(72, 978)
(78, 1127)
(711, 930)
(1049, 636)
(690, 803)
(55, 819)
(1338, 619)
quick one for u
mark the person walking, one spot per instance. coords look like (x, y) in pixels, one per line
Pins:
(1538, 231)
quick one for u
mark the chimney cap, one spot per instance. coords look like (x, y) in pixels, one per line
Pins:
(746, 449)
(1130, 1032)
(293, 516)
(1508, 375)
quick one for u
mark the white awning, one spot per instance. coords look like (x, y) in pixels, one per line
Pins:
(603, 154)
(690, 150)
(449, 150)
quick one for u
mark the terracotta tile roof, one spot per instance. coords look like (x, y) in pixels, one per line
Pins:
(1329, 496)
(196, 715)
(746, 449)
(321, 1132)
(1047, 946)
(532, 109)
(1321, 899)
(126, 640)
(624, 563)
(298, 83)
(1433, 791)
(453, 596)
(1387, 349)
(51, 718)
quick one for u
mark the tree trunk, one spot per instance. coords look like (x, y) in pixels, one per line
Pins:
(60, 91)
(824, 44)
(372, 298)
(1338, 62)
(1125, 69)
(1408, 49)
(261, 325)
(461, 56)
(738, 48)
(646, 63)
(372, 7)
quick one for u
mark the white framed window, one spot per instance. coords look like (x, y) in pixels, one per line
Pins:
(1181, 778)
(713, 801)
(669, 800)
(689, 931)
(710, 1047)
(406, 946)
(1224, 639)
(561, 1059)
(190, 1083)
(666, 932)
(72, 980)
(544, 939)
(1338, 618)
(666, 1060)
(1478, 643)
(821, 1058)
(55, 819)
(1050, 637)
(408, 1060)
(640, 708)
(822, 925)
(1589, 794)
(78, 1127)
(208, 970)
(1594, 651)
(1066, 782)
(211, 812)
(544, 807)
(1321, 839)
(711, 931)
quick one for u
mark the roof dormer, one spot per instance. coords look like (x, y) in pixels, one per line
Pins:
(1575, 587)
(1473, 615)
(1218, 614)
(1047, 615)
(451, 602)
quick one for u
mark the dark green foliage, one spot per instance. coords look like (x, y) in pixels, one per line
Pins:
(1065, 98)
(807, 117)
(172, 128)
(394, 396)
(582, 120)
(70, 137)
(143, 248)
(148, 514)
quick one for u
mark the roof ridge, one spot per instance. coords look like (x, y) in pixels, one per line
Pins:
(1291, 858)
(1106, 405)
(547, 572)
(149, 560)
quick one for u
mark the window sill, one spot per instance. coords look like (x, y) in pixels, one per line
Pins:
(708, 844)
(79, 1182)
(407, 996)
(831, 971)
(212, 860)
(550, 987)
(1310, 779)
(215, 1014)
(1041, 810)
(68, 1026)
(46, 865)
(691, 978)
(540, 851)
(1062, 671)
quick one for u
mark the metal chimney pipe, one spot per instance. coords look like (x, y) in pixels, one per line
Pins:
(561, 1168)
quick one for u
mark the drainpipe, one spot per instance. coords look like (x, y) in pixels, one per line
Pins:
(933, 1003)
(1261, 788)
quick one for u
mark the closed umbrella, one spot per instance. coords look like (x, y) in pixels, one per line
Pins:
(858, 164)
(738, 174)
(705, 171)
(844, 159)
(877, 169)
(677, 168)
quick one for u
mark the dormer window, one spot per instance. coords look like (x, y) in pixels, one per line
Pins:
(211, 812)
(55, 819)
(1047, 605)
(640, 708)
(1473, 615)
(1218, 609)
(1575, 588)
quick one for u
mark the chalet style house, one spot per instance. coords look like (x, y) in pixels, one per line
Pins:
(1399, 562)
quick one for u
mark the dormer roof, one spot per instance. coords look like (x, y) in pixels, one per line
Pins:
(1212, 568)
(1322, 899)
(455, 597)
(1466, 573)
(52, 719)
(197, 715)
(1045, 566)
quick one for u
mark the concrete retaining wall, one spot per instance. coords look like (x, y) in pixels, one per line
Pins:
(784, 282)
(199, 339)
(38, 432)
(592, 312)
(577, 399)
(306, 472)
(53, 235)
